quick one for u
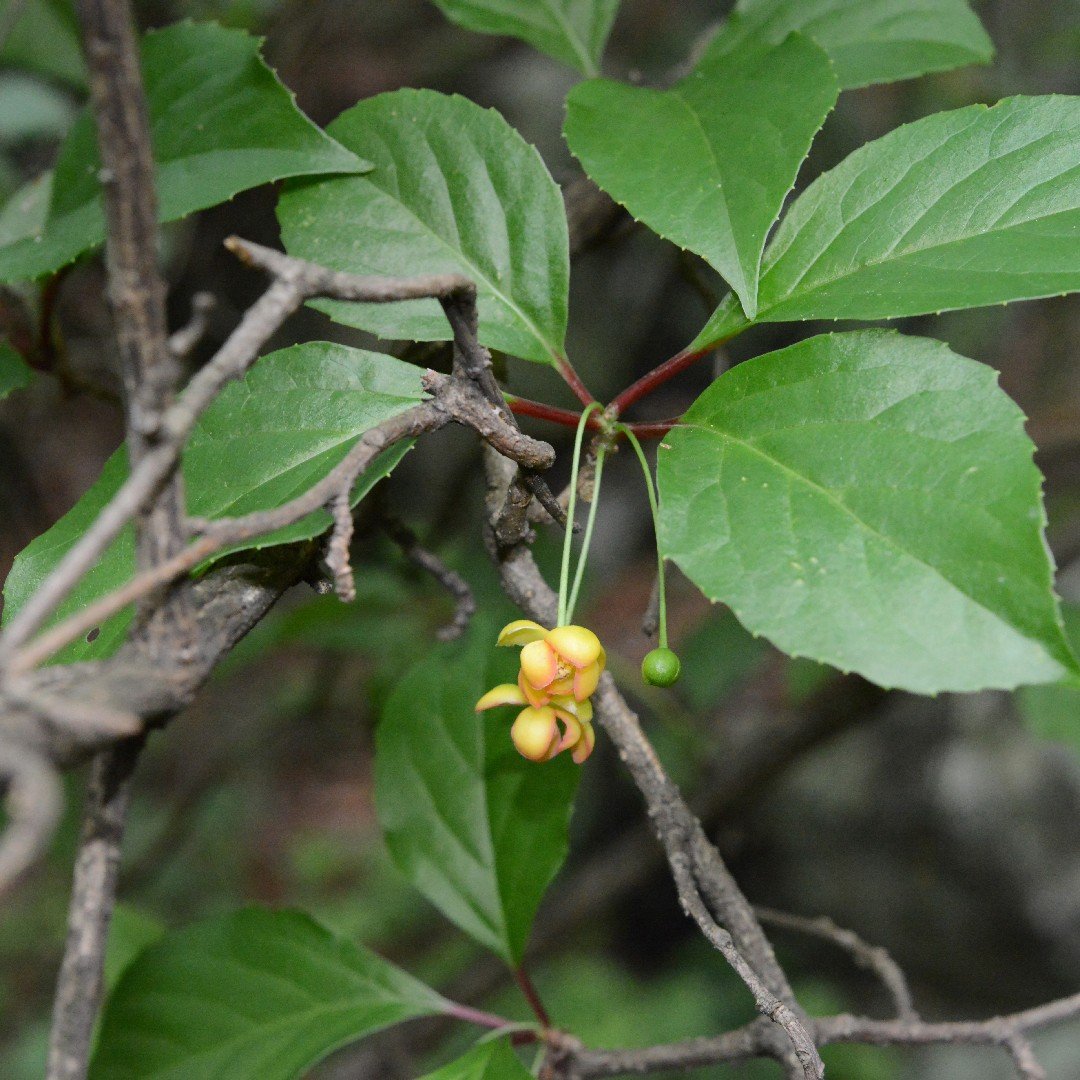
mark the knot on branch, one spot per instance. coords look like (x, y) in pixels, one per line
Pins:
(462, 401)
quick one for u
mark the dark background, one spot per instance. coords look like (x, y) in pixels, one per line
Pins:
(945, 829)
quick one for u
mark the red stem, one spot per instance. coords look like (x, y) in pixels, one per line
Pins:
(573, 380)
(566, 417)
(650, 429)
(657, 377)
(532, 997)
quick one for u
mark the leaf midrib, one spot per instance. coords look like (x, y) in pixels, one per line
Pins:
(460, 254)
(723, 194)
(571, 35)
(865, 525)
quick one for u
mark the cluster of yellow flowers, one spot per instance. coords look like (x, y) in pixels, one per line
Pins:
(560, 669)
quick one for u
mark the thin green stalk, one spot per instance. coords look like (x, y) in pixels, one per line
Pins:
(586, 540)
(654, 506)
(568, 538)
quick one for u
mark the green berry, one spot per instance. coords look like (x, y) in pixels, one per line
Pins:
(660, 667)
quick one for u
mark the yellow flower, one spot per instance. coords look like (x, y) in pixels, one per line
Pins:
(560, 669)
(566, 660)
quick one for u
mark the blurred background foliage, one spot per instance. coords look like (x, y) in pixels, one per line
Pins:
(947, 830)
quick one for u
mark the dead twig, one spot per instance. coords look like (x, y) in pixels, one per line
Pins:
(183, 341)
(870, 957)
(450, 580)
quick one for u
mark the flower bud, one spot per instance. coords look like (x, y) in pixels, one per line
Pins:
(535, 733)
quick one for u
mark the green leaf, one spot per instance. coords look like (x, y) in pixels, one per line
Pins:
(454, 190)
(130, 932)
(962, 209)
(254, 995)
(476, 828)
(1053, 712)
(870, 41)
(488, 1061)
(264, 441)
(14, 374)
(220, 122)
(708, 163)
(573, 31)
(25, 211)
(869, 501)
(44, 38)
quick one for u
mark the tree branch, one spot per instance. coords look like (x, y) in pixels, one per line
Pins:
(60, 715)
(1010, 1033)
(80, 983)
(150, 374)
(294, 282)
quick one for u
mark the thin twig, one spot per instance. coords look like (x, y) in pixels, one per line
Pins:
(873, 958)
(450, 580)
(183, 341)
(452, 401)
(150, 374)
(767, 1003)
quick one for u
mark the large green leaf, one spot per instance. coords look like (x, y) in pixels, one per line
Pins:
(708, 163)
(220, 122)
(870, 501)
(573, 31)
(476, 828)
(1053, 712)
(962, 209)
(254, 995)
(454, 190)
(488, 1061)
(264, 441)
(870, 41)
